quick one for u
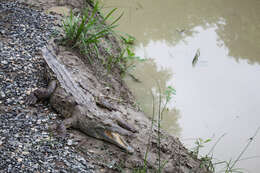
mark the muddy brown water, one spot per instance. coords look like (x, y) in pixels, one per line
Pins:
(220, 93)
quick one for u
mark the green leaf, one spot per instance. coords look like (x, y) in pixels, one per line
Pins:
(207, 140)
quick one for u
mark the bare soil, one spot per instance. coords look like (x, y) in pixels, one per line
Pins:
(107, 157)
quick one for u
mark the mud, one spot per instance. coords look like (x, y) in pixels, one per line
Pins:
(107, 157)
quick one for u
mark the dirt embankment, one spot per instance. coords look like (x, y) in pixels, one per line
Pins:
(103, 156)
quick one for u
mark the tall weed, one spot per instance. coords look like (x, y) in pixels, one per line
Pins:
(84, 31)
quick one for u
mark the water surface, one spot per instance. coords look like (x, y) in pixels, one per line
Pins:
(220, 94)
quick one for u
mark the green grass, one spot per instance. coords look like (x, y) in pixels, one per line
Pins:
(199, 143)
(128, 39)
(126, 61)
(206, 161)
(166, 96)
(84, 30)
(228, 166)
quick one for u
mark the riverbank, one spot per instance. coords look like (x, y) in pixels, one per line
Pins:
(26, 144)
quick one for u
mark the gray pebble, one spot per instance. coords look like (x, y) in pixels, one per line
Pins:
(25, 142)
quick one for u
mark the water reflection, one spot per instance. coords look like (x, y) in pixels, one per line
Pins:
(221, 93)
(154, 79)
(238, 22)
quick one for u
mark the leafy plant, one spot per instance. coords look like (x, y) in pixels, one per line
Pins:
(84, 31)
(199, 143)
(206, 162)
(229, 166)
(167, 97)
(127, 60)
(169, 92)
(129, 40)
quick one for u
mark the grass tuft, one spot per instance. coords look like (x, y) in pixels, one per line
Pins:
(84, 31)
(167, 96)
(230, 165)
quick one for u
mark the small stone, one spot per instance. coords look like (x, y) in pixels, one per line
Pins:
(19, 160)
(25, 152)
(4, 62)
(70, 142)
(28, 92)
(44, 120)
(25, 145)
(35, 166)
(44, 133)
(9, 100)
(2, 94)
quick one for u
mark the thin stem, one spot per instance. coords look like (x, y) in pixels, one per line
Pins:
(159, 126)
(213, 147)
(243, 151)
(149, 139)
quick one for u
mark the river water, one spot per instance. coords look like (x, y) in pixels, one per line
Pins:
(220, 93)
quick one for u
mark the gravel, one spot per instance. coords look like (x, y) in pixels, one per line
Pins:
(26, 145)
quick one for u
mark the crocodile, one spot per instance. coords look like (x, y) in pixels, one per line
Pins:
(88, 106)
(69, 94)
